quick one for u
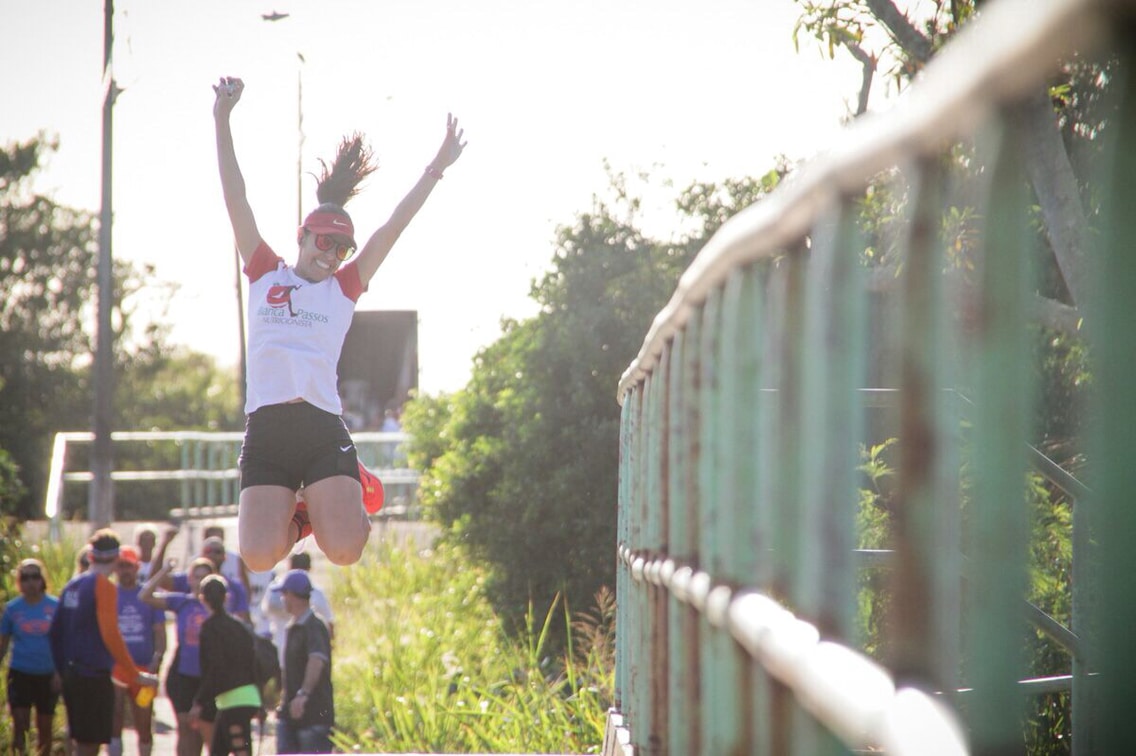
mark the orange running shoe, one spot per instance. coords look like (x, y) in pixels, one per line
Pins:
(372, 490)
(303, 522)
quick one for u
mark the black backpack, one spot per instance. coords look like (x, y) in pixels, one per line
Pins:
(267, 667)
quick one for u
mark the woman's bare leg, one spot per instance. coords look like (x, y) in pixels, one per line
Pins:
(339, 523)
(264, 525)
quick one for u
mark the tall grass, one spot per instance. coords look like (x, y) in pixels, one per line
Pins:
(421, 664)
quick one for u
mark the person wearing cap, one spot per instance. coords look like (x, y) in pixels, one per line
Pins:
(87, 647)
(307, 708)
(272, 605)
(143, 628)
(298, 316)
(32, 680)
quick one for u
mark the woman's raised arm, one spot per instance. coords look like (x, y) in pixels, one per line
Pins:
(379, 245)
(228, 93)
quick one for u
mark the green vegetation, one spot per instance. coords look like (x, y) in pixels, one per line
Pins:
(1048, 727)
(48, 258)
(521, 466)
(422, 664)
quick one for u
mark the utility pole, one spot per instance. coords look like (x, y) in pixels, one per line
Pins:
(300, 138)
(100, 498)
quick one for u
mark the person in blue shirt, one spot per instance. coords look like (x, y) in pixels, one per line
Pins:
(32, 681)
(143, 628)
(184, 675)
(213, 550)
(87, 648)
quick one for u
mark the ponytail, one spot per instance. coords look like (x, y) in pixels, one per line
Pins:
(340, 181)
(213, 589)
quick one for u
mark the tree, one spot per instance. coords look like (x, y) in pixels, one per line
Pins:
(47, 284)
(521, 465)
(47, 254)
(1057, 129)
(1055, 123)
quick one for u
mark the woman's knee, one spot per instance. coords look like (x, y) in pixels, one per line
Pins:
(263, 525)
(345, 547)
(260, 556)
(343, 553)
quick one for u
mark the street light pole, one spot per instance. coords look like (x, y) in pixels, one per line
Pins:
(272, 18)
(100, 496)
(300, 139)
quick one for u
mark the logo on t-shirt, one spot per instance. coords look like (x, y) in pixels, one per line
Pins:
(280, 296)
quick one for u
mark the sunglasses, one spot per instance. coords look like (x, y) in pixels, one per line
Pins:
(30, 576)
(324, 242)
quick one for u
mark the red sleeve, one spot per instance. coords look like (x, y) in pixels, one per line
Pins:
(106, 610)
(263, 260)
(349, 281)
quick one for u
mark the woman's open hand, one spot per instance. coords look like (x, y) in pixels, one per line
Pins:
(452, 145)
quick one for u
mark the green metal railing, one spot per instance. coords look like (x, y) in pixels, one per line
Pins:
(741, 580)
(206, 474)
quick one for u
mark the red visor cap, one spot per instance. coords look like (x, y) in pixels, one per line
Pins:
(323, 222)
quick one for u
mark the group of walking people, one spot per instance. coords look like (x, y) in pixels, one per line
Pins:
(100, 645)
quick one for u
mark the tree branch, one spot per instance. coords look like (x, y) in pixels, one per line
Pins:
(907, 36)
(1057, 315)
(1051, 173)
(1044, 311)
(869, 63)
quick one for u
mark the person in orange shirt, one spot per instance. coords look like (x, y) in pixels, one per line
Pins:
(87, 647)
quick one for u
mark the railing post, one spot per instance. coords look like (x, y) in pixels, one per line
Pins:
(1002, 380)
(683, 453)
(926, 573)
(1112, 507)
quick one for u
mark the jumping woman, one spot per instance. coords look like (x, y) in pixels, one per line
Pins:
(298, 316)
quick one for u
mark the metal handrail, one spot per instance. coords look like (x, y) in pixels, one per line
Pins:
(1015, 47)
(58, 475)
(673, 394)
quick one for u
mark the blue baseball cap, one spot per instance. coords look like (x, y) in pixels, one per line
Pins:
(297, 582)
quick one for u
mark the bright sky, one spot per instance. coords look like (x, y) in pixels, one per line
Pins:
(695, 90)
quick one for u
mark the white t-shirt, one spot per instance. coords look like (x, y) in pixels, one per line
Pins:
(296, 332)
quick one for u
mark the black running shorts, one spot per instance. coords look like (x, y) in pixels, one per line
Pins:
(90, 706)
(26, 690)
(295, 445)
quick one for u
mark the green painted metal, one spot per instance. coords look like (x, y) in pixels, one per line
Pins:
(779, 356)
(926, 572)
(720, 702)
(683, 712)
(996, 541)
(1112, 511)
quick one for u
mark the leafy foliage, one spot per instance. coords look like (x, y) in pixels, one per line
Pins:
(47, 269)
(520, 465)
(423, 665)
(48, 264)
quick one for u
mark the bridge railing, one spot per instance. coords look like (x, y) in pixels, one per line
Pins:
(205, 473)
(741, 625)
